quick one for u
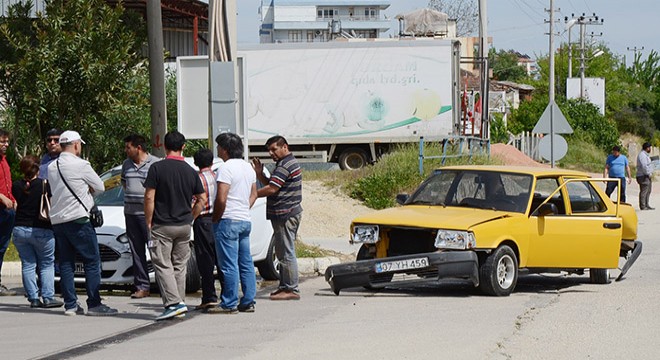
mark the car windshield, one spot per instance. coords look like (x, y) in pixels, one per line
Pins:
(475, 189)
(114, 192)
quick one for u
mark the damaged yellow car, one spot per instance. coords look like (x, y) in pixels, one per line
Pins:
(485, 224)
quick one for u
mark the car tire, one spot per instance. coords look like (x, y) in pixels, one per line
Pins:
(363, 254)
(498, 274)
(193, 278)
(269, 268)
(599, 276)
(353, 158)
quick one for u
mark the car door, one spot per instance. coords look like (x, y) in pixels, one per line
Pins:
(587, 234)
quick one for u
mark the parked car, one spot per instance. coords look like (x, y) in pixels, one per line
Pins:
(485, 223)
(116, 258)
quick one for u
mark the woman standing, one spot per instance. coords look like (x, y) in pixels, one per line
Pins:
(33, 237)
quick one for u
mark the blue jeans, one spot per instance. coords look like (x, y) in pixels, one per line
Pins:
(284, 236)
(36, 247)
(74, 237)
(232, 241)
(6, 225)
(611, 185)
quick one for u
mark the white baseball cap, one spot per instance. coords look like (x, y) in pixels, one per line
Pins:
(70, 136)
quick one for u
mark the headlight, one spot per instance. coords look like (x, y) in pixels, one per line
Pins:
(365, 234)
(123, 239)
(451, 239)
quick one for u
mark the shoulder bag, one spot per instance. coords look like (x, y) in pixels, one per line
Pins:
(44, 206)
(95, 214)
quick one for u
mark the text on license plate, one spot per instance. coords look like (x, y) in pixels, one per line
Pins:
(416, 263)
(79, 269)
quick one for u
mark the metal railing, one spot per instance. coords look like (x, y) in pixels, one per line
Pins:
(465, 146)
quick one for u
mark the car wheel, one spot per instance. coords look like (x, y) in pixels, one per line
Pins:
(269, 268)
(599, 276)
(364, 254)
(193, 278)
(498, 274)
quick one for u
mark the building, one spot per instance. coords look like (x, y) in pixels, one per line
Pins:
(321, 20)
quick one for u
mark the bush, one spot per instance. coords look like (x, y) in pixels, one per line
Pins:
(498, 130)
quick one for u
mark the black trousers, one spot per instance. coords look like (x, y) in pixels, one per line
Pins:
(136, 230)
(206, 257)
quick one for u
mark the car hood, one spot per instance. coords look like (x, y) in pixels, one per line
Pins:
(423, 216)
(113, 221)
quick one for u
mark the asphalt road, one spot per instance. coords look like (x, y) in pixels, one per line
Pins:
(548, 317)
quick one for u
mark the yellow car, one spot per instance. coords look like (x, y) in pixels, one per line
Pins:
(485, 223)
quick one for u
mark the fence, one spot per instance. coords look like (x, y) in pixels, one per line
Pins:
(464, 146)
(527, 143)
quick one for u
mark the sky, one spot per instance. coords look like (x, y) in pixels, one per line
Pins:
(520, 24)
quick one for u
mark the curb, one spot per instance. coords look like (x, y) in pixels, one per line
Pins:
(306, 266)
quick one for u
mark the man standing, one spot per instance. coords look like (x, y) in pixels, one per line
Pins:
(616, 166)
(133, 174)
(7, 205)
(237, 191)
(72, 180)
(170, 186)
(53, 150)
(283, 209)
(644, 173)
(203, 229)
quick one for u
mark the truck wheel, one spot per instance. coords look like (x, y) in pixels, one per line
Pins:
(498, 274)
(269, 267)
(193, 278)
(363, 254)
(353, 158)
(599, 276)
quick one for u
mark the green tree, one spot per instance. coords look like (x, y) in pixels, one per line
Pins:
(78, 68)
(505, 66)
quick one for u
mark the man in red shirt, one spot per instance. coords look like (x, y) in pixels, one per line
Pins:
(7, 205)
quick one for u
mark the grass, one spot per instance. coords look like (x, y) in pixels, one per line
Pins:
(396, 172)
(312, 251)
(584, 156)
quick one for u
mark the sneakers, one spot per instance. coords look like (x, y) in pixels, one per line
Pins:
(172, 311)
(206, 305)
(51, 303)
(102, 310)
(221, 310)
(78, 310)
(285, 295)
(36, 303)
(6, 292)
(247, 308)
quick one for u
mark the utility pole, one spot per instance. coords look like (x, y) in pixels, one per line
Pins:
(635, 50)
(551, 93)
(569, 26)
(583, 21)
(483, 55)
(156, 77)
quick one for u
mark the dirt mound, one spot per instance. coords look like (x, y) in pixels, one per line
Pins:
(511, 156)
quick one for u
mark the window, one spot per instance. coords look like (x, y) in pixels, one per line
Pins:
(326, 13)
(583, 198)
(545, 187)
(295, 36)
(370, 12)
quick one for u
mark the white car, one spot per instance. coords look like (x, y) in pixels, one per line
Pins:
(116, 258)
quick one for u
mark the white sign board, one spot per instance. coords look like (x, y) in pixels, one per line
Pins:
(192, 74)
(594, 91)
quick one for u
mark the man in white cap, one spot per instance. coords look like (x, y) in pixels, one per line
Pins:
(72, 181)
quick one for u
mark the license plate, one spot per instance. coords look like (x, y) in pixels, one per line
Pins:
(388, 266)
(80, 269)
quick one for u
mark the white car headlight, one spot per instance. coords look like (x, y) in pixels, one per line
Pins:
(123, 238)
(451, 239)
(367, 234)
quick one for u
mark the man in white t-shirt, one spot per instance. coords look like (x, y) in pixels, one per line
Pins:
(236, 193)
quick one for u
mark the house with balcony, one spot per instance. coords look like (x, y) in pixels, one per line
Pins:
(321, 20)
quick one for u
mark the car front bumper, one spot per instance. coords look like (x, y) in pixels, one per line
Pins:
(445, 264)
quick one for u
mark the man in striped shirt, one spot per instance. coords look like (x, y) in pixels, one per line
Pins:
(134, 171)
(283, 209)
(203, 231)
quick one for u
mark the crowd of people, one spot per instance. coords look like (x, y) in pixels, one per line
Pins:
(164, 201)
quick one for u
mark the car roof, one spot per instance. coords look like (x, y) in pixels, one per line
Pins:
(216, 164)
(535, 171)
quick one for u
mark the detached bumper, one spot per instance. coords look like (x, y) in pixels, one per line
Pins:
(448, 264)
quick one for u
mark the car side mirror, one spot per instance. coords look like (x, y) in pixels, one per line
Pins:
(402, 198)
(546, 209)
